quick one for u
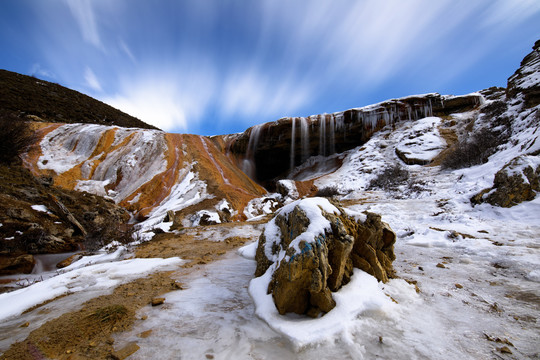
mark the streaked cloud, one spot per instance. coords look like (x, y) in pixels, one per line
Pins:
(91, 80)
(189, 66)
(83, 13)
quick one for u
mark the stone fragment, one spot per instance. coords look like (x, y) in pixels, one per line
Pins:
(158, 301)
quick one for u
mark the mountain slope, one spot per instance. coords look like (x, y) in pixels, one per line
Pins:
(40, 100)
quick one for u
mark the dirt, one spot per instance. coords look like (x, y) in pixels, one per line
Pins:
(87, 333)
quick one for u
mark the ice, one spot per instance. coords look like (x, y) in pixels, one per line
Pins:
(103, 276)
(137, 161)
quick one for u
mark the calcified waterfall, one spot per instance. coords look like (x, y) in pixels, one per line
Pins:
(304, 138)
(248, 165)
(322, 135)
(332, 135)
(293, 140)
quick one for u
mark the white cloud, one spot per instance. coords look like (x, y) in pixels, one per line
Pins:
(251, 93)
(91, 80)
(37, 70)
(83, 13)
(166, 97)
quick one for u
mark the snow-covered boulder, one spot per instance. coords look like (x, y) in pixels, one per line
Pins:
(517, 181)
(310, 248)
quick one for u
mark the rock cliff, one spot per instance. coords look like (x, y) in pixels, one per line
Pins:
(270, 151)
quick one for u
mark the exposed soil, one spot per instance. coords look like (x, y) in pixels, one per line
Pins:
(87, 333)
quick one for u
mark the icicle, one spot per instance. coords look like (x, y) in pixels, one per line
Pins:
(293, 138)
(304, 138)
(322, 135)
(332, 135)
(248, 165)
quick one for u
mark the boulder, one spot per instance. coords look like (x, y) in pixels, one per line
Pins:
(517, 181)
(311, 247)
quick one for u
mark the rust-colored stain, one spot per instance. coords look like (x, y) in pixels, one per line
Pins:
(223, 178)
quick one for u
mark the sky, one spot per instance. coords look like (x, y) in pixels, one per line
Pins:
(213, 67)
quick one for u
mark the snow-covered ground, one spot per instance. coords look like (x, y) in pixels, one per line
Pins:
(477, 270)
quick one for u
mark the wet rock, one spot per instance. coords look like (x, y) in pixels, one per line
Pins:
(517, 181)
(70, 260)
(22, 264)
(308, 266)
(158, 301)
(126, 351)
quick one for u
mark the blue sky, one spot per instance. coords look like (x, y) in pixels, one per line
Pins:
(220, 66)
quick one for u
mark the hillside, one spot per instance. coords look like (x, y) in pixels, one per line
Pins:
(39, 100)
(455, 179)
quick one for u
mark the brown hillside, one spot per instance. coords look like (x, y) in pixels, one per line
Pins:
(40, 100)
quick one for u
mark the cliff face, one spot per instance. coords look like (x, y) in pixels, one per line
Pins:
(270, 151)
(148, 172)
(526, 79)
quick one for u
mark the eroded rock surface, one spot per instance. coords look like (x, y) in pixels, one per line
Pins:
(517, 181)
(311, 247)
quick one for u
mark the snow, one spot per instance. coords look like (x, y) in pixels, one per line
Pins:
(103, 276)
(313, 208)
(41, 208)
(261, 206)
(188, 190)
(363, 294)
(422, 141)
(137, 161)
(211, 216)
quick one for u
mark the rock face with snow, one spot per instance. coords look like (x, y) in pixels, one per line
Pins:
(309, 249)
(516, 182)
(272, 150)
(526, 79)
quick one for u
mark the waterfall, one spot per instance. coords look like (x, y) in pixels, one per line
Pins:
(332, 135)
(248, 165)
(322, 135)
(304, 138)
(293, 140)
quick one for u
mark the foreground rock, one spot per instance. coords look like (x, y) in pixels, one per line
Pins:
(517, 181)
(311, 247)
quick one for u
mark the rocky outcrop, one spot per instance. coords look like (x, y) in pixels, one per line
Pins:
(272, 150)
(16, 265)
(526, 79)
(36, 217)
(517, 181)
(310, 249)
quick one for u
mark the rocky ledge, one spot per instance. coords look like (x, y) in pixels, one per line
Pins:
(310, 249)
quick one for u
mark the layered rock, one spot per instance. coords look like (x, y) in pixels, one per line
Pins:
(309, 249)
(517, 181)
(271, 150)
(36, 217)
